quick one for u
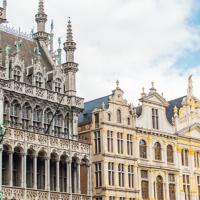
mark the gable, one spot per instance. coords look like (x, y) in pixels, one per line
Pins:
(193, 131)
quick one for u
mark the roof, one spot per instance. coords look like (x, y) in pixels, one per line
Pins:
(170, 109)
(86, 115)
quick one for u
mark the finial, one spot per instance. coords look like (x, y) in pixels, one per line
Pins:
(190, 87)
(69, 31)
(152, 83)
(117, 84)
(143, 92)
(152, 89)
(52, 26)
(4, 4)
(41, 7)
(59, 43)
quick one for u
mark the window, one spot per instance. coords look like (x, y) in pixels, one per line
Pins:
(129, 145)
(121, 175)
(15, 112)
(170, 154)
(58, 123)
(109, 117)
(130, 176)
(6, 111)
(155, 122)
(48, 116)
(58, 85)
(110, 141)
(120, 143)
(98, 174)
(111, 198)
(121, 198)
(38, 80)
(67, 125)
(198, 186)
(96, 117)
(184, 157)
(158, 151)
(111, 177)
(159, 188)
(144, 184)
(119, 117)
(98, 198)
(97, 142)
(129, 121)
(186, 186)
(172, 187)
(17, 73)
(26, 116)
(37, 118)
(143, 149)
(197, 159)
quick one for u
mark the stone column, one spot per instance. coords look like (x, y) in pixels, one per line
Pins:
(11, 169)
(58, 175)
(69, 177)
(151, 185)
(23, 168)
(47, 174)
(78, 178)
(1, 151)
(89, 171)
(35, 172)
(167, 187)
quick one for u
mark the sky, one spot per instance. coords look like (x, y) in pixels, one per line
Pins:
(133, 41)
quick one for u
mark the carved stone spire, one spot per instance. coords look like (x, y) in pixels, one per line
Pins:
(3, 12)
(51, 38)
(41, 19)
(190, 88)
(70, 67)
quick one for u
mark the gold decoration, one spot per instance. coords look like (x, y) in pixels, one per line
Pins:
(181, 112)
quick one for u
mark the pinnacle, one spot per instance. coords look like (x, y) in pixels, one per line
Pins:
(41, 7)
(69, 31)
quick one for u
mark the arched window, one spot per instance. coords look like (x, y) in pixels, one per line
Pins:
(58, 85)
(37, 118)
(66, 125)
(159, 188)
(38, 80)
(15, 112)
(58, 123)
(48, 116)
(26, 116)
(158, 151)
(143, 149)
(170, 154)
(128, 121)
(17, 73)
(6, 109)
(119, 117)
(109, 117)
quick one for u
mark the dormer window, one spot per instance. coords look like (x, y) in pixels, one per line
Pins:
(155, 119)
(38, 80)
(58, 86)
(119, 117)
(17, 73)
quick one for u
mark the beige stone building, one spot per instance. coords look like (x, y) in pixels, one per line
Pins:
(148, 152)
(41, 157)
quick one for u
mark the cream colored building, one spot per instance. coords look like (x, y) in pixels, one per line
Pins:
(151, 151)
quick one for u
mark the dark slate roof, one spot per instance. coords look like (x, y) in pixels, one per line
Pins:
(86, 115)
(170, 109)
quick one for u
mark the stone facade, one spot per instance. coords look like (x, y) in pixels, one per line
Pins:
(41, 157)
(148, 152)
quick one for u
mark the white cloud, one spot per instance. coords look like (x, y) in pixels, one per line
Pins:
(135, 41)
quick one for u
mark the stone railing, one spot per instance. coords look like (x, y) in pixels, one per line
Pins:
(28, 194)
(20, 137)
(41, 93)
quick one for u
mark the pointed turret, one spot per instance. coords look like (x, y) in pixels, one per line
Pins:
(190, 88)
(41, 19)
(51, 38)
(70, 67)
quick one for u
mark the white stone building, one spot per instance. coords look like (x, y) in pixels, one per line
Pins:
(41, 156)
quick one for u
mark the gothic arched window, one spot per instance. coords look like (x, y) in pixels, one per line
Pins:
(58, 123)
(26, 116)
(109, 117)
(6, 109)
(17, 73)
(128, 121)
(48, 116)
(158, 151)
(119, 117)
(58, 85)
(38, 80)
(66, 125)
(170, 154)
(159, 188)
(37, 117)
(143, 149)
(15, 112)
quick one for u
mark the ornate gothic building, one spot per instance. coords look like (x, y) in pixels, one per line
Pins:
(40, 155)
(148, 152)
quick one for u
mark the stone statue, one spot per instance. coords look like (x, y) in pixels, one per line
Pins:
(8, 48)
(18, 45)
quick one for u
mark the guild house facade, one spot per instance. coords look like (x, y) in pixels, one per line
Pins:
(148, 152)
(41, 157)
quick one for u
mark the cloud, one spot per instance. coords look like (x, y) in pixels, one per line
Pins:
(135, 41)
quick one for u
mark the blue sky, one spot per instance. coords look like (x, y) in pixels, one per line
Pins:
(135, 41)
